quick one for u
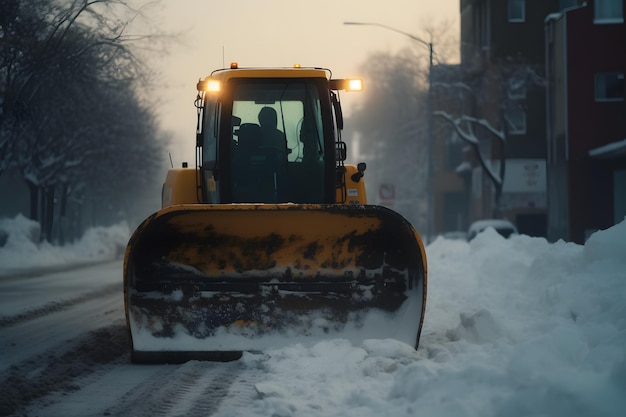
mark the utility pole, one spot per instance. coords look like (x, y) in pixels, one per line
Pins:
(430, 170)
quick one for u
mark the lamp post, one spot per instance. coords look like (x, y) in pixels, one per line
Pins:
(430, 187)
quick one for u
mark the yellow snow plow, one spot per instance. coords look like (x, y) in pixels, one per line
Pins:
(269, 241)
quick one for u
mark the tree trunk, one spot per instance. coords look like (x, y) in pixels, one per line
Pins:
(505, 130)
(48, 216)
(33, 190)
(63, 214)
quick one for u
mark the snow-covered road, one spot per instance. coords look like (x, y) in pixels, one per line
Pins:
(517, 327)
(65, 353)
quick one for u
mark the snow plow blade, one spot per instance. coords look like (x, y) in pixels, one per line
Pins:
(212, 281)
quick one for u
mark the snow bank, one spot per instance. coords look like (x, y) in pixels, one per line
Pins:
(514, 327)
(21, 250)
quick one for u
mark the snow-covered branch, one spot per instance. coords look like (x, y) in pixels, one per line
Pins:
(465, 128)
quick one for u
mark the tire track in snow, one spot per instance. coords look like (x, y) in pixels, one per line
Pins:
(217, 389)
(56, 306)
(36, 377)
(242, 392)
(191, 389)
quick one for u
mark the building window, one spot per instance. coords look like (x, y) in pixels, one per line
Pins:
(609, 86)
(608, 11)
(517, 10)
(516, 120)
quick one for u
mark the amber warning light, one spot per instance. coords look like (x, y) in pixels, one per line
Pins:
(355, 85)
(347, 84)
(209, 86)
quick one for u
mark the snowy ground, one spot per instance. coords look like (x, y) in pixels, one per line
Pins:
(21, 252)
(516, 327)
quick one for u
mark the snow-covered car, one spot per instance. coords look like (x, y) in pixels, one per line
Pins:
(503, 227)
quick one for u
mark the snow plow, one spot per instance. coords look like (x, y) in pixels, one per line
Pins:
(269, 240)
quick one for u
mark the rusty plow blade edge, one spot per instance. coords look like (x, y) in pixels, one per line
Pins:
(204, 281)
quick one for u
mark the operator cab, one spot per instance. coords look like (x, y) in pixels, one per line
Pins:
(269, 139)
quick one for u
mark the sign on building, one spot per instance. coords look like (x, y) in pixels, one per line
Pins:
(525, 176)
(386, 195)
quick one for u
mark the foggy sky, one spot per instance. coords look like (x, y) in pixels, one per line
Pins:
(275, 33)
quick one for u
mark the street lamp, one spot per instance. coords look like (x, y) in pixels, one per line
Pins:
(429, 45)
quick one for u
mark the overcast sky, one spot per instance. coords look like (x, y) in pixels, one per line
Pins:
(276, 33)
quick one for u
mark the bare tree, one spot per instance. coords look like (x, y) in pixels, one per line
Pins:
(69, 76)
(488, 94)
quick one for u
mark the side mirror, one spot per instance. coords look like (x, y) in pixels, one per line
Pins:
(360, 167)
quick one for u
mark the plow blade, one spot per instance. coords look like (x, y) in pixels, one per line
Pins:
(212, 281)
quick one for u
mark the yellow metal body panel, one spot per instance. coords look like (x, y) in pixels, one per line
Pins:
(318, 245)
(227, 74)
(180, 187)
(355, 190)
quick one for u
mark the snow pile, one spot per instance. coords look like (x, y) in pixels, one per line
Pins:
(19, 234)
(21, 250)
(514, 327)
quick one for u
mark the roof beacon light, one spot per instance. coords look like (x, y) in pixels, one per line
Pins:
(234, 65)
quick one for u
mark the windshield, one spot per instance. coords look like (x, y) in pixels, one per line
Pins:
(291, 107)
(277, 147)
